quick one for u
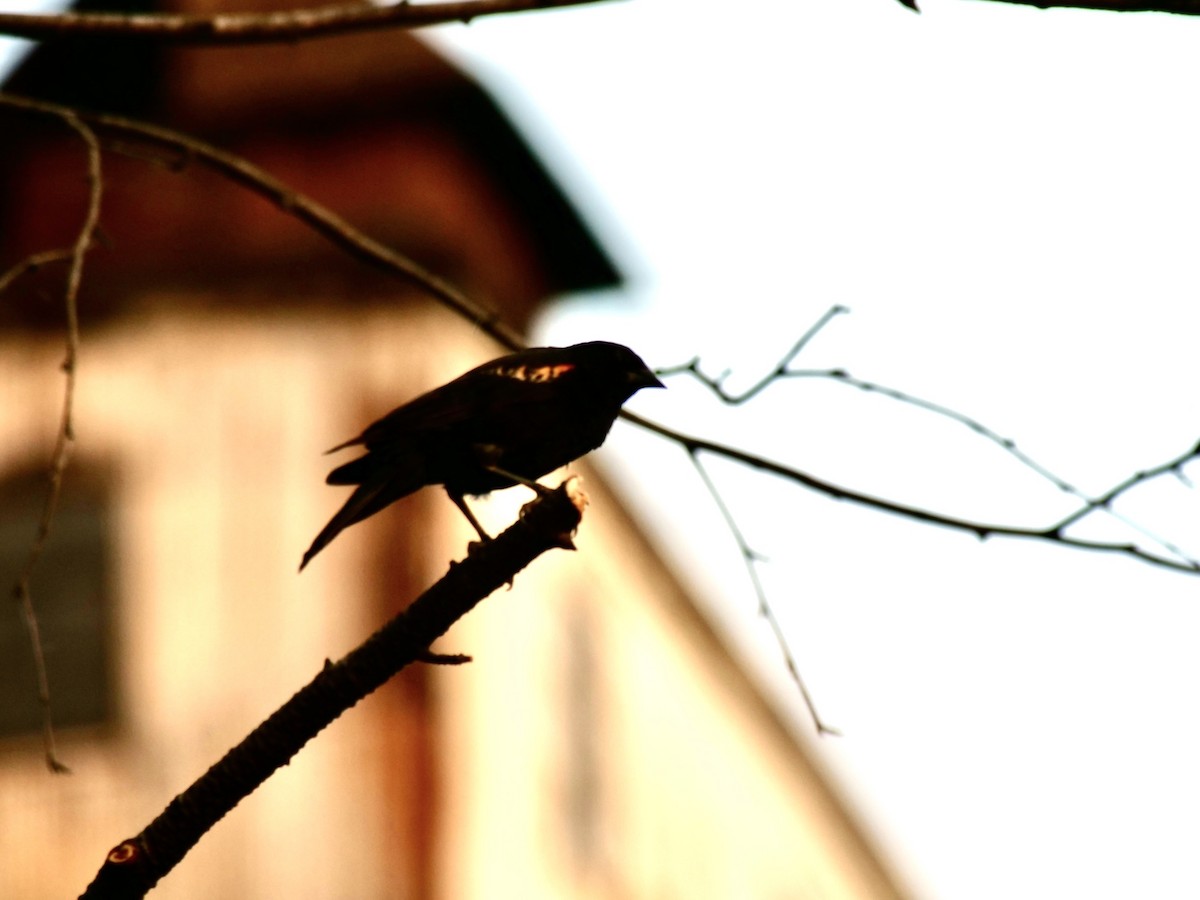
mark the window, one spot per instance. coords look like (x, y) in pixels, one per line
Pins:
(71, 589)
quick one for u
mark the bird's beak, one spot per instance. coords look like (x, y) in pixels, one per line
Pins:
(644, 379)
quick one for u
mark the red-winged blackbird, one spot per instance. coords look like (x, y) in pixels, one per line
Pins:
(509, 421)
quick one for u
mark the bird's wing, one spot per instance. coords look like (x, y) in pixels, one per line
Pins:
(441, 409)
(462, 400)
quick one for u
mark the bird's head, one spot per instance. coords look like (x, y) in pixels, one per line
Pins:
(617, 367)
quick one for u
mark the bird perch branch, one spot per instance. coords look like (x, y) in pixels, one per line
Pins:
(135, 865)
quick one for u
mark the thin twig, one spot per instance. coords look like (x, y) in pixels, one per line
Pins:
(781, 370)
(1090, 504)
(66, 434)
(260, 27)
(750, 557)
(1173, 467)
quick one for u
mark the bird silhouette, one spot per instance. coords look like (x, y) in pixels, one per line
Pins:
(509, 421)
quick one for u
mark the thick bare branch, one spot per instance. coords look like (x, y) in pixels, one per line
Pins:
(135, 865)
(258, 27)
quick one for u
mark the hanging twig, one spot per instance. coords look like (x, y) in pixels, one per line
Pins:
(66, 430)
(751, 558)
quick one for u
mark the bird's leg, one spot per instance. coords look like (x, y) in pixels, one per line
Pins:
(488, 454)
(540, 489)
(461, 503)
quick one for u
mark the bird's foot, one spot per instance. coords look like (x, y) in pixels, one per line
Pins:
(571, 487)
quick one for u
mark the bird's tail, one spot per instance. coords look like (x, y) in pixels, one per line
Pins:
(368, 498)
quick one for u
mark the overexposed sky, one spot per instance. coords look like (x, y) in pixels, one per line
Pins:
(1006, 198)
(12, 50)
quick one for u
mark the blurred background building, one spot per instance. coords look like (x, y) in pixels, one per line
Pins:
(603, 743)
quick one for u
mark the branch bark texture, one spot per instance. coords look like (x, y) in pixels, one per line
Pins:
(135, 865)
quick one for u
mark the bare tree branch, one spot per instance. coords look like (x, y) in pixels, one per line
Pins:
(981, 530)
(135, 865)
(259, 27)
(783, 370)
(66, 431)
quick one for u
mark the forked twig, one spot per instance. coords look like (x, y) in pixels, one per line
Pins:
(782, 370)
(32, 263)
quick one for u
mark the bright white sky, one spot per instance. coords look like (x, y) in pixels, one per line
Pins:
(12, 50)
(1007, 199)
